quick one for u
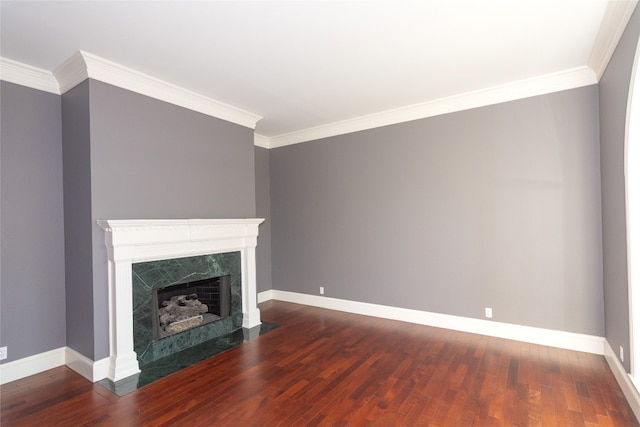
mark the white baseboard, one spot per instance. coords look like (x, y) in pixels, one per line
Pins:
(31, 365)
(22, 368)
(265, 296)
(93, 371)
(623, 379)
(548, 337)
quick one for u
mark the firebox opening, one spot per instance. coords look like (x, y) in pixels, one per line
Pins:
(177, 308)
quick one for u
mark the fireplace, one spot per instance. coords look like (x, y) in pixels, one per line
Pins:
(214, 248)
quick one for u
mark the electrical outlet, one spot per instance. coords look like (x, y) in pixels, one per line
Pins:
(321, 290)
(3, 353)
(488, 313)
(621, 353)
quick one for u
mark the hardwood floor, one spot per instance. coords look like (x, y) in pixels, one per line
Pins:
(328, 368)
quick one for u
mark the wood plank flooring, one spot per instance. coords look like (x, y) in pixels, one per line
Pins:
(327, 368)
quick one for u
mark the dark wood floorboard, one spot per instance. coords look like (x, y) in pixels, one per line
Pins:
(327, 368)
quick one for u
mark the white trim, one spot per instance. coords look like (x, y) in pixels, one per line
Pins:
(554, 82)
(38, 363)
(615, 20)
(265, 296)
(261, 141)
(31, 365)
(71, 72)
(93, 371)
(26, 75)
(624, 380)
(83, 65)
(548, 337)
(632, 206)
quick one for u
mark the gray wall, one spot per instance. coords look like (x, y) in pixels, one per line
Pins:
(492, 207)
(32, 294)
(614, 91)
(263, 210)
(151, 159)
(77, 218)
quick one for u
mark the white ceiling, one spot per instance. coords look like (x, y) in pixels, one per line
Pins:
(304, 64)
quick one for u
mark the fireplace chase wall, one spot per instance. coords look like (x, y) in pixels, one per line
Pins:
(132, 242)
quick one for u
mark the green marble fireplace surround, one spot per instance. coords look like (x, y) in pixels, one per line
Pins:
(148, 276)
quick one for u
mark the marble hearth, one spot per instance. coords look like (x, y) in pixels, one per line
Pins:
(211, 242)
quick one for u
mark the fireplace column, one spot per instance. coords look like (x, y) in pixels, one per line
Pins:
(123, 360)
(250, 310)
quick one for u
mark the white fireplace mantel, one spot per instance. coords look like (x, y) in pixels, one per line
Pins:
(133, 241)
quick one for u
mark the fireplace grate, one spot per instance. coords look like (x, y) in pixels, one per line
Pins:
(180, 307)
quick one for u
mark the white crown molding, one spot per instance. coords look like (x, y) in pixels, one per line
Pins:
(624, 380)
(71, 72)
(83, 65)
(559, 339)
(554, 82)
(261, 141)
(26, 75)
(615, 20)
